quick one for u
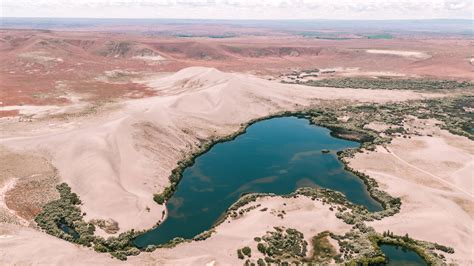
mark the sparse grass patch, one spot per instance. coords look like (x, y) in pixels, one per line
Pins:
(323, 251)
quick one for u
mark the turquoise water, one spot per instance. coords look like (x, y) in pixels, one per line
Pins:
(277, 155)
(401, 256)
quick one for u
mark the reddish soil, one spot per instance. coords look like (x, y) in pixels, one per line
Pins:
(44, 67)
(7, 113)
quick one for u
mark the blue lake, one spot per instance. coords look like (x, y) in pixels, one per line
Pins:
(277, 155)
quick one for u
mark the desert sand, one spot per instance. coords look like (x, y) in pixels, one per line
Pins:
(27, 246)
(434, 178)
(18, 245)
(117, 166)
(60, 68)
(116, 160)
(236, 233)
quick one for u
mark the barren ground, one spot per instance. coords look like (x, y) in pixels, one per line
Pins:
(434, 178)
(111, 116)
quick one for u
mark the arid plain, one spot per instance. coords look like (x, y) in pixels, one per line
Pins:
(111, 113)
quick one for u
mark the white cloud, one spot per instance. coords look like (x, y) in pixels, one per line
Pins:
(241, 9)
(457, 4)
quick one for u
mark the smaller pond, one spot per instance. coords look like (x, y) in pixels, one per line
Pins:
(401, 256)
(67, 229)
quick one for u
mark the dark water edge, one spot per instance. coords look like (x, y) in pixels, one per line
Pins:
(67, 229)
(277, 155)
(401, 256)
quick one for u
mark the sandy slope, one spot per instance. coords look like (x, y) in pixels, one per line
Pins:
(434, 178)
(19, 245)
(116, 162)
(26, 246)
(115, 166)
(309, 217)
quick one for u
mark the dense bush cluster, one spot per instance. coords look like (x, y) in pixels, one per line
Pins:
(235, 213)
(63, 218)
(426, 250)
(391, 84)
(283, 245)
(204, 235)
(244, 252)
(457, 114)
(360, 246)
(357, 245)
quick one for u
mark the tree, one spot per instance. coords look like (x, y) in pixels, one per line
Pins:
(247, 251)
(159, 198)
(261, 247)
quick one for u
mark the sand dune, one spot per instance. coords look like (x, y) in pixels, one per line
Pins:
(116, 161)
(237, 233)
(433, 176)
(116, 166)
(19, 244)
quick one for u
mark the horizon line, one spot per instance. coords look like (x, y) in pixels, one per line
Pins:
(246, 19)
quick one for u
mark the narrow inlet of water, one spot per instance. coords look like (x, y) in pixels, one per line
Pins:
(277, 155)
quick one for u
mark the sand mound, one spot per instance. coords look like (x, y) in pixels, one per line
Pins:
(433, 177)
(117, 165)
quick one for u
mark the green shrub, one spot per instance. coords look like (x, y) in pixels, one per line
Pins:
(261, 247)
(100, 248)
(240, 255)
(65, 213)
(247, 251)
(159, 198)
(119, 255)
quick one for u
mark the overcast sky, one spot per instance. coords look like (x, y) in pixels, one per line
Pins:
(240, 9)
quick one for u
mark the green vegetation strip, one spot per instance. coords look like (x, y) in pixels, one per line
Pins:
(177, 173)
(380, 36)
(281, 246)
(361, 246)
(455, 113)
(63, 217)
(391, 84)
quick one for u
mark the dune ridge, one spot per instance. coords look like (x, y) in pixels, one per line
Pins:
(117, 166)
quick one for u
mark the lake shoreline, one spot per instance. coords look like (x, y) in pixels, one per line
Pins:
(390, 205)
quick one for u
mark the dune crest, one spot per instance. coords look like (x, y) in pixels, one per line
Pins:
(116, 166)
